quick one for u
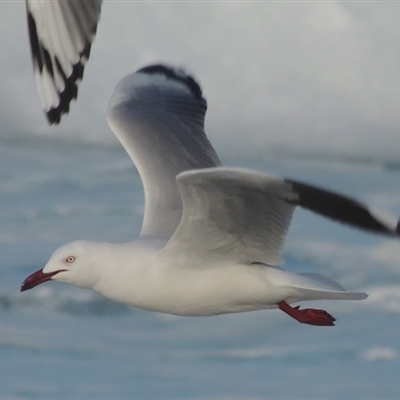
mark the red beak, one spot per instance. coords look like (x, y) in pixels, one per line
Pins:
(37, 278)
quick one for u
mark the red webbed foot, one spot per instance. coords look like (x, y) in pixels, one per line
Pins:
(308, 315)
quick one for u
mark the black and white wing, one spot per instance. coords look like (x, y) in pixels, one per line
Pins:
(61, 33)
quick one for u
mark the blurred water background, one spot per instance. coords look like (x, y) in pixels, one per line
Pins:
(308, 90)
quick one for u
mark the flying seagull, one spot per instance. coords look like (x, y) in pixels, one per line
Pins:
(212, 236)
(61, 33)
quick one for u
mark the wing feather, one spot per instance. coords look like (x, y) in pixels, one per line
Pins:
(240, 215)
(158, 115)
(344, 209)
(61, 33)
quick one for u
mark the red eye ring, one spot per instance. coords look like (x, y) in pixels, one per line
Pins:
(70, 259)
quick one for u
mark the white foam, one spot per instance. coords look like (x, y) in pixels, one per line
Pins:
(380, 354)
(384, 297)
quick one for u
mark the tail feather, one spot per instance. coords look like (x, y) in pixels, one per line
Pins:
(313, 286)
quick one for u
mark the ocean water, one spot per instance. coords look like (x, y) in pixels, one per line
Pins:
(60, 342)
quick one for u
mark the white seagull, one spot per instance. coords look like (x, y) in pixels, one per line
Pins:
(212, 236)
(61, 33)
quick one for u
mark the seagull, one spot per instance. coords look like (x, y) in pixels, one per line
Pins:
(61, 33)
(212, 236)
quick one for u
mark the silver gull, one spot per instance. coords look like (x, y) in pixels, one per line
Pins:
(212, 236)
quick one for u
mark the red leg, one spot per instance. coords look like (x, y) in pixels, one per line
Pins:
(308, 315)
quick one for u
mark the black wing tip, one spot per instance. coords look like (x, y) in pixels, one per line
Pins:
(397, 231)
(42, 60)
(54, 115)
(177, 74)
(343, 209)
(69, 94)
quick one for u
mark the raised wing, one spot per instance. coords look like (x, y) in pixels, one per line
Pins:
(61, 33)
(233, 214)
(158, 115)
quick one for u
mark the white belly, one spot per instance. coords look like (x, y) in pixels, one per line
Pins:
(197, 291)
(211, 289)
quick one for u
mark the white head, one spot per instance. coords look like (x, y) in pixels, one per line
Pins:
(73, 263)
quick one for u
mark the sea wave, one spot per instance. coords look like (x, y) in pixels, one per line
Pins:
(373, 261)
(68, 301)
(290, 354)
(380, 354)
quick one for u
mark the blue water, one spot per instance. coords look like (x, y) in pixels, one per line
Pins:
(60, 342)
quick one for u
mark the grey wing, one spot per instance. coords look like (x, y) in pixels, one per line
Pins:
(234, 215)
(158, 115)
(61, 33)
(243, 216)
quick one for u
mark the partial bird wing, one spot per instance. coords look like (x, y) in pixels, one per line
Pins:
(243, 216)
(61, 33)
(344, 209)
(233, 214)
(158, 115)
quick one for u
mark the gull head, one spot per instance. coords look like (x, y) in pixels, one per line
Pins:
(72, 263)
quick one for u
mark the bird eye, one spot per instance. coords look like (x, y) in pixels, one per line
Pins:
(70, 259)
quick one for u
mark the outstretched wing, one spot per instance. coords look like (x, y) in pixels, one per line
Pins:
(158, 115)
(243, 216)
(61, 33)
